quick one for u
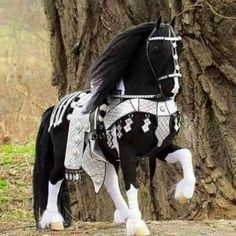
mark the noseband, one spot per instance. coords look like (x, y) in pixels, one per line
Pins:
(173, 39)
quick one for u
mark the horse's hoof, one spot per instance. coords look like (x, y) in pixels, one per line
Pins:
(182, 199)
(57, 226)
(142, 231)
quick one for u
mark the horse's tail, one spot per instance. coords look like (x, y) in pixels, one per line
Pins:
(42, 166)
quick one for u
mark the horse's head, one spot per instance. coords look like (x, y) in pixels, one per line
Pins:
(163, 49)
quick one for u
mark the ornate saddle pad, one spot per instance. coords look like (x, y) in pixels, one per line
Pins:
(82, 153)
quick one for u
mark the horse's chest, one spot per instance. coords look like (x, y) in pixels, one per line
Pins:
(119, 119)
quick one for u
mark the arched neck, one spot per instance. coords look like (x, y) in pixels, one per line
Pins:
(138, 78)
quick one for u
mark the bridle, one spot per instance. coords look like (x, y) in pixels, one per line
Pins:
(173, 40)
(176, 73)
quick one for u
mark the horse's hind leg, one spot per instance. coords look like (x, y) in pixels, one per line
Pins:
(112, 186)
(135, 225)
(51, 217)
(185, 187)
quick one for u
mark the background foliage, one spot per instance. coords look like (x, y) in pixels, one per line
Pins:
(25, 92)
(25, 69)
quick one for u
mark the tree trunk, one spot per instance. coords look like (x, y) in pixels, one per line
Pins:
(79, 30)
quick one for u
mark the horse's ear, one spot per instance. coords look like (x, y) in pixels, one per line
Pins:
(158, 23)
(172, 22)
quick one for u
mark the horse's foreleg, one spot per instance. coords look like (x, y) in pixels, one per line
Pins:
(135, 225)
(112, 186)
(185, 187)
(51, 217)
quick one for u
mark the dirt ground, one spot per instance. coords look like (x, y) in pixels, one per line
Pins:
(160, 228)
(16, 217)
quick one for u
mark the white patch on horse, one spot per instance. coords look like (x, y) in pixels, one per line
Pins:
(112, 186)
(51, 214)
(121, 87)
(187, 185)
(134, 223)
(132, 195)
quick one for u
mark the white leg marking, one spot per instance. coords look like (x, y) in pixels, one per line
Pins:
(135, 225)
(132, 195)
(112, 185)
(185, 188)
(51, 214)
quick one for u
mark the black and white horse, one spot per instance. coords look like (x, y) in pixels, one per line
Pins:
(144, 62)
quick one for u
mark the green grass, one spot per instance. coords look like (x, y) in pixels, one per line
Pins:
(3, 184)
(16, 164)
(9, 151)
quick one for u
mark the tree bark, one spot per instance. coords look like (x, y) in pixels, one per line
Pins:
(79, 31)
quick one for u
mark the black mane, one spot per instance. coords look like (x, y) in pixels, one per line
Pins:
(110, 66)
